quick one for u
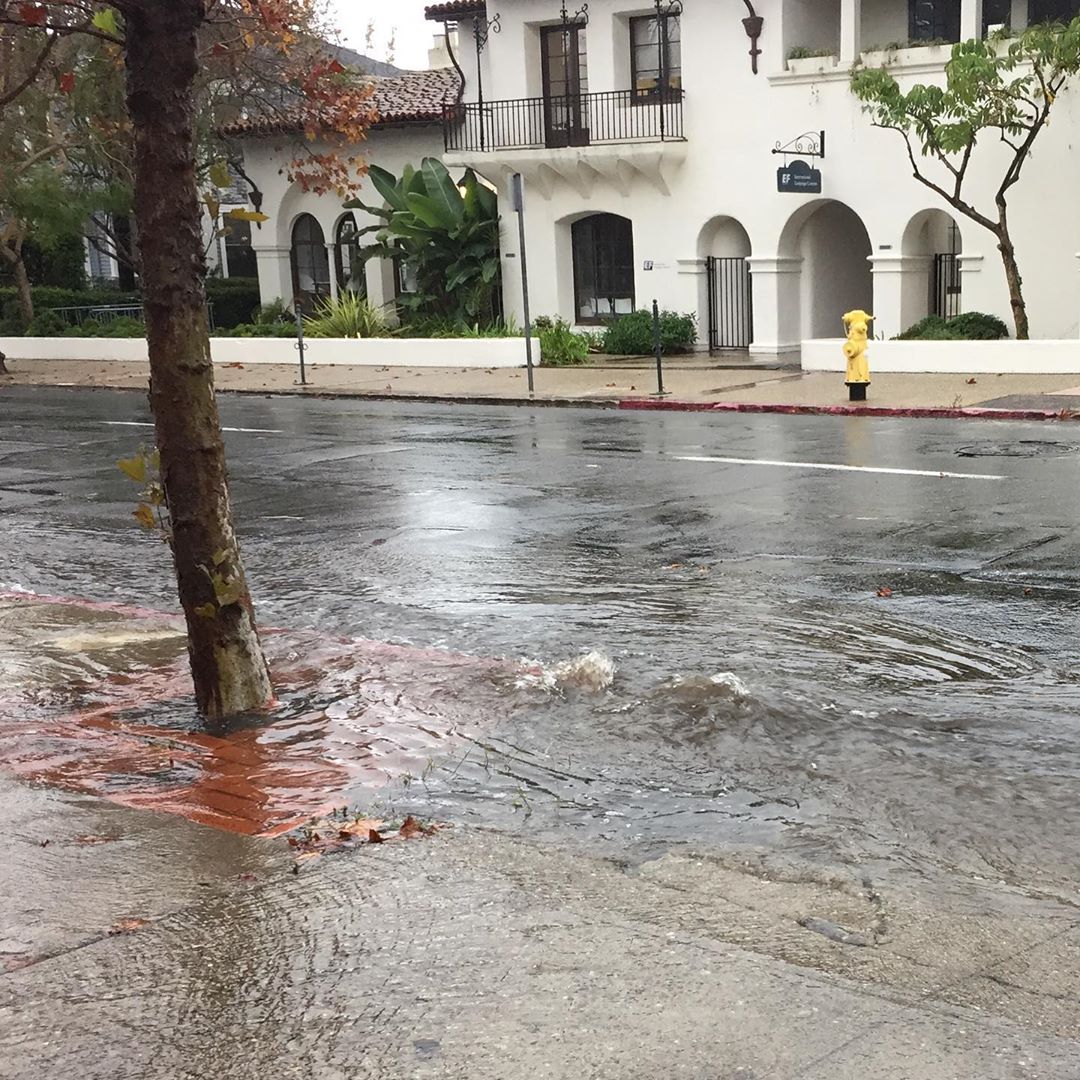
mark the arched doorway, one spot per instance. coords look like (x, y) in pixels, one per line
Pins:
(348, 266)
(603, 256)
(931, 250)
(725, 246)
(833, 249)
(310, 263)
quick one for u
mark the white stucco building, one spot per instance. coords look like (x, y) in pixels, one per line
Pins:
(645, 131)
(307, 249)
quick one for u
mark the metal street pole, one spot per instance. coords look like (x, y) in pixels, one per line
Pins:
(300, 340)
(660, 391)
(517, 196)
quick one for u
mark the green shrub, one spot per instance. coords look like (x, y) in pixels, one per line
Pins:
(234, 300)
(124, 327)
(932, 328)
(560, 344)
(971, 326)
(801, 52)
(978, 326)
(456, 328)
(349, 316)
(48, 324)
(259, 330)
(632, 335)
(275, 312)
(49, 296)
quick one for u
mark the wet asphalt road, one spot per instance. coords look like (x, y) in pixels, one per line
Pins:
(845, 649)
(855, 718)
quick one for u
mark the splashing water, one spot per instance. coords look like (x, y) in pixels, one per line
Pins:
(592, 671)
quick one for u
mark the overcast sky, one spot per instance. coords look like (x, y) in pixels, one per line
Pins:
(414, 34)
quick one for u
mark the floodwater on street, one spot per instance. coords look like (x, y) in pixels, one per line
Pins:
(635, 633)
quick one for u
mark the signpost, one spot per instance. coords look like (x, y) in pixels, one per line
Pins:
(517, 198)
(798, 177)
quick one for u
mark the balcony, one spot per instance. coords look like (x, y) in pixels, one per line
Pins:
(602, 119)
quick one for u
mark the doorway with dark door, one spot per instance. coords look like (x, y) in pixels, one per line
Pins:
(566, 85)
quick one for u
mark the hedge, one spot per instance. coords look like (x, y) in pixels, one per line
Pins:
(235, 300)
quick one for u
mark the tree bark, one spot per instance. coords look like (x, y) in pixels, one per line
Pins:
(161, 59)
(1012, 276)
(12, 253)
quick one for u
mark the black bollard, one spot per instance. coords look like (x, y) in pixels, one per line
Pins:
(300, 342)
(657, 344)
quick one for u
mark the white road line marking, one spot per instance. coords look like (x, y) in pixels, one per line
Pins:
(243, 430)
(843, 468)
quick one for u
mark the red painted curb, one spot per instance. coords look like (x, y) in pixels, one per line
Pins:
(970, 413)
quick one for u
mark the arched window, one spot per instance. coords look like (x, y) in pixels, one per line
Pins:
(603, 267)
(347, 263)
(310, 262)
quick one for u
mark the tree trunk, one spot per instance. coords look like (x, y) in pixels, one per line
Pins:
(1012, 275)
(12, 252)
(161, 59)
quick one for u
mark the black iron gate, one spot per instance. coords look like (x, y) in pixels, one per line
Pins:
(731, 303)
(945, 286)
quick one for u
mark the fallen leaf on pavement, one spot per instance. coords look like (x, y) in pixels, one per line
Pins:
(127, 926)
(884, 591)
(972, 382)
(335, 834)
(361, 827)
(411, 828)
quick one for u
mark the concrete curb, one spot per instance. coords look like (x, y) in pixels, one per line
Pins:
(919, 413)
(625, 404)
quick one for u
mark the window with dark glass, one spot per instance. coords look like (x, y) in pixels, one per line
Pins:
(348, 266)
(239, 254)
(655, 54)
(1063, 11)
(603, 267)
(934, 20)
(996, 13)
(310, 262)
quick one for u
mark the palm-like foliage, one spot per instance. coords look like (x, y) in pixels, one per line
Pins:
(446, 234)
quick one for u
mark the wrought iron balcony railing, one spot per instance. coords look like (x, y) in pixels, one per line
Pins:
(618, 116)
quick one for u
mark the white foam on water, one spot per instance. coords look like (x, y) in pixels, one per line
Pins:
(592, 671)
(732, 682)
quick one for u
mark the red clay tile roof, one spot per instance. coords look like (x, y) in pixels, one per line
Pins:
(456, 9)
(415, 97)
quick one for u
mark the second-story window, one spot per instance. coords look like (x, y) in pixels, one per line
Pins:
(655, 55)
(934, 20)
(1040, 11)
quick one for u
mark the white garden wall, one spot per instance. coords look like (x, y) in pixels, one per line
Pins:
(378, 352)
(951, 357)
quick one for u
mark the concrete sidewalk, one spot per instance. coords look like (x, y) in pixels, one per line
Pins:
(691, 381)
(189, 952)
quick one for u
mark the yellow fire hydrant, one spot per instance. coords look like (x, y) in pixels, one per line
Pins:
(857, 326)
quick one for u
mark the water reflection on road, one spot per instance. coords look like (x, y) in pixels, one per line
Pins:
(860, 672)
